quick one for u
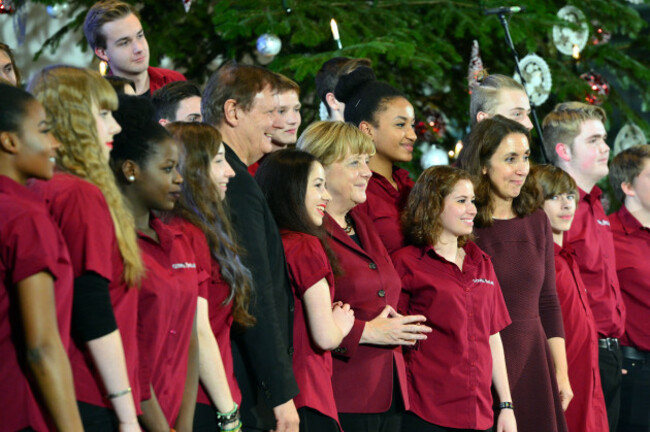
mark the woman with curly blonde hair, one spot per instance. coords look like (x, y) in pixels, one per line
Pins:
(99, 231)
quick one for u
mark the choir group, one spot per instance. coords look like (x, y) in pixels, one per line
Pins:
(178, 259)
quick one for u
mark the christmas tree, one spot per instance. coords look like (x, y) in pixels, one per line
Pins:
(422, 47)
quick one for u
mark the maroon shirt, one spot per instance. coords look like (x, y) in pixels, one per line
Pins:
(81, 212)
(591, 237)
(586, 412)
(384, 206)
(632, 243)
(31, 244)
(307, 263)
(215, 290)
(159, 77)
(167, 306)
(369, 284)
(450, 373)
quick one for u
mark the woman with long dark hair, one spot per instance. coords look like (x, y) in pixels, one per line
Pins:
(516, 234)
(200, 214)
(293, 183)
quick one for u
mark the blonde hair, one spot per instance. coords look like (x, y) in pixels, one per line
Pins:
(485, 95)
(332, 141)
(563, 124)
(68, 94)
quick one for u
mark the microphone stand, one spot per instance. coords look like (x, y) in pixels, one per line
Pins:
(511, 45)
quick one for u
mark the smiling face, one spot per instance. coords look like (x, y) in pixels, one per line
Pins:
(37, 146)
(347, 180)
(255, 126)
(514, 104)
(509, 166)
(158, 181)
(459, 210)
(589, 154)
(560, 210)
(127, 50)
(316, 195)
(394, 135)
(107, 128)
(221, 172)
(288, 122)
(7, 71)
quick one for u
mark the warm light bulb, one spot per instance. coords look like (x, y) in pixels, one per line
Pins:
(335, 29)
(576, 52)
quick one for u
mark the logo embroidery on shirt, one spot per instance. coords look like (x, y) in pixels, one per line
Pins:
(602, 222)
(183, 265)
(481, 280)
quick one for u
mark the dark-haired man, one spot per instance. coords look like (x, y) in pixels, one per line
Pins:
(178, 101)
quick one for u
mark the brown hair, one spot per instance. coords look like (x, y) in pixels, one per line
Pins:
(233, 81)
(201, 205)
(483, 141)
(553, 181)
(426, 202)
(68, 94)
(626, 167)
(102, 12)
(563, 124)
(10, 54)
(485, 95)
(284, 84)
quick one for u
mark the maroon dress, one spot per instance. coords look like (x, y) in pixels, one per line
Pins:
(522, 254)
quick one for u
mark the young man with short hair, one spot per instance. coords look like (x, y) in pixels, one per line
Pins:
(114, 32)
(327, 78)
(177, 101)
(240, 101)
(500, 94)
(574, 136)
(630, 178)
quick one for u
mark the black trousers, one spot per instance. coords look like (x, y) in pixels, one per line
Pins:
(412, 423)
(314, 421)
(389, 421)
(97, 418)
(635, 397)
(205, 418)
(610, 363)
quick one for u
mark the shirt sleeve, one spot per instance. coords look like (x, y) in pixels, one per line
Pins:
(500, 316)
(30, 248)
(549, 306)
(307, 263)
(87, 227)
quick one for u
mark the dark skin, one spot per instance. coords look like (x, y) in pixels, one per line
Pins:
(155, 187)
(25, 154)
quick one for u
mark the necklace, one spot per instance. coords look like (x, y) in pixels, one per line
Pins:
(349, 226)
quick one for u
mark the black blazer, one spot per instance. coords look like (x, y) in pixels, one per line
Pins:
(262, 354)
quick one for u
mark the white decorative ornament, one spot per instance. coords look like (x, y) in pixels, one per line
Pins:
(57, 10)
(433, 155)
(538, 79)
(565, 38)
(630, 135)
(269, 45)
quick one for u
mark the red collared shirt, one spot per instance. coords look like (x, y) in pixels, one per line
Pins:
(450, 373)
(384, 205)
(167, 306)
(632, 243)
(81, 212)
(307, 263)
(369, 283)
(31, 244)
(591, 237)
(586, 412)
(215, 290)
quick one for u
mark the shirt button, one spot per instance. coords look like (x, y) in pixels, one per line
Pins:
(466, 289)
(172, 332)
(290, 351)
(381, 293)
(372, 266)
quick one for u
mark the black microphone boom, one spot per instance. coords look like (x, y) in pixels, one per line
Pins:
(504, 10)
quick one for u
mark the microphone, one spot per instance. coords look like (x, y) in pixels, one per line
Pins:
(504, 10)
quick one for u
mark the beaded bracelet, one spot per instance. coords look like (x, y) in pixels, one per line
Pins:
(234, 428)
(228, 417)
(119, 393)
(506, 405)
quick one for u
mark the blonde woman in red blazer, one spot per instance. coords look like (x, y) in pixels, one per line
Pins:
(369, 377)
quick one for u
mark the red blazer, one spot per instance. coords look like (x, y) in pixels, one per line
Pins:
(363, 374)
